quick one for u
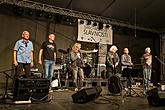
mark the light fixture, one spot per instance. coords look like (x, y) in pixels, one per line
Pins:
(30, 12)
(49, 15)
(81, 21)
(39, 13)
(107, 26)
(94, 24)
(18, 10)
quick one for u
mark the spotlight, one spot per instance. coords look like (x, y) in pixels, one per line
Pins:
(67, 19)
(73, 19)
(18, 10)
(39, 13)
(107, 26)
(30, 12)
(94, 24)
(81, 21)
(49, 15)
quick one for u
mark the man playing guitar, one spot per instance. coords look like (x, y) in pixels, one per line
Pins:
(112, 61)
(147, 68)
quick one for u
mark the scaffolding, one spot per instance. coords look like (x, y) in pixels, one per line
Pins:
(73, 13)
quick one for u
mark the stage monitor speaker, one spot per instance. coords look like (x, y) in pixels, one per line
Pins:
(154, 98)
(34, 89)
(86, 95)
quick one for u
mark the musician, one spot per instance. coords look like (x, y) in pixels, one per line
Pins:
(47, 56)
(147, 68)
(23, 55)
(126, 62)
(112, 60)
(77, 64)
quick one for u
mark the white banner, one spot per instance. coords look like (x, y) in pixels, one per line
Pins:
(90, 33)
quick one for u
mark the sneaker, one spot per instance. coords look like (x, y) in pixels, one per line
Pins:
(76, 89)
(50, 90)
(126, 89)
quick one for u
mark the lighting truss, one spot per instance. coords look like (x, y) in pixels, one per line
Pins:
(73, 13)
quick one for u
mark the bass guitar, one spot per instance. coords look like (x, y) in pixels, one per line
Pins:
(114, 85)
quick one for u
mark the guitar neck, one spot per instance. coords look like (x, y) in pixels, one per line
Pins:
(114, 67)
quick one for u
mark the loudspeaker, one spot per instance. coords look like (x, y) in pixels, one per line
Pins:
(34, 89)
(86, 95)
(154, 99)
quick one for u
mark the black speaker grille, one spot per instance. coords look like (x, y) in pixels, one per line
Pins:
(25, 89)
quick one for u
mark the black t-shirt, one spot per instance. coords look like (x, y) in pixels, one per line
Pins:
(48, 50)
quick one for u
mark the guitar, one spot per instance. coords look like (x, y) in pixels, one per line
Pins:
(114, 85)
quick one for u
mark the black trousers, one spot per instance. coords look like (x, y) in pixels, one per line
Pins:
(20, 67)
(18, 70)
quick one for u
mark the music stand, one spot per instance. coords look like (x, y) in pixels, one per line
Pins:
(127, 72)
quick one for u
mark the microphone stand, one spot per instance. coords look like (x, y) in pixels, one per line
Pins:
(161, 66)
(5, 95)
(160, 60)
(98, 66)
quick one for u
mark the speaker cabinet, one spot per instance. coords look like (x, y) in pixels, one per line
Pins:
(86, 95)
(34, 89)
(154, 98)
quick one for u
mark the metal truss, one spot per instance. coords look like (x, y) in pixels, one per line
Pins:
(73, 13)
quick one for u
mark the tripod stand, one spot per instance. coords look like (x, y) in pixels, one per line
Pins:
(129, 73)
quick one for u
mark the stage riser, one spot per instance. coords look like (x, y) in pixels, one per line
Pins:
(88, 82)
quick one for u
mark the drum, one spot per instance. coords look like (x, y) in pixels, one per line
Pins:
(57, 67)
(87, 70)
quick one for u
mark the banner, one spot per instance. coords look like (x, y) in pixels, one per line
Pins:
(90, 33)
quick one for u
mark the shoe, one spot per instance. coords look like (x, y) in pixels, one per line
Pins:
(76, 89)
(144, 94)
(126, 89)
(50, 90)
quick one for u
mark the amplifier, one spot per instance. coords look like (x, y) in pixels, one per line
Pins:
(35, 89)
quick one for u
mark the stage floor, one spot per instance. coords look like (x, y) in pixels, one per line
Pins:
(62, 100)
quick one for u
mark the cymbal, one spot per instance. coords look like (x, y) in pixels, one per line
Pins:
(62, 51)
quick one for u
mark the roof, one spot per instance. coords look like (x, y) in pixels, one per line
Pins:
(145, 13)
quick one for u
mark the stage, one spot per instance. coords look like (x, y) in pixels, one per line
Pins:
(61, 99)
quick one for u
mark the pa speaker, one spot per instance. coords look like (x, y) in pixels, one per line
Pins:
(34, 89)
(154, 99)
(86, 95)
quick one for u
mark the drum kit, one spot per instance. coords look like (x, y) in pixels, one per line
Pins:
(88, 60)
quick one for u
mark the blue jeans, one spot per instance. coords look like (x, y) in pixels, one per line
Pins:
(146, 78)
(48, 69)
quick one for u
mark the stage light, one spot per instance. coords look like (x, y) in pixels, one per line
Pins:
(107, 26)
(39, 13)
(49, 15)
(30, 12)
(67, 19)
(18, 10)
(94, 24)
(81, 21)
(73, 19)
